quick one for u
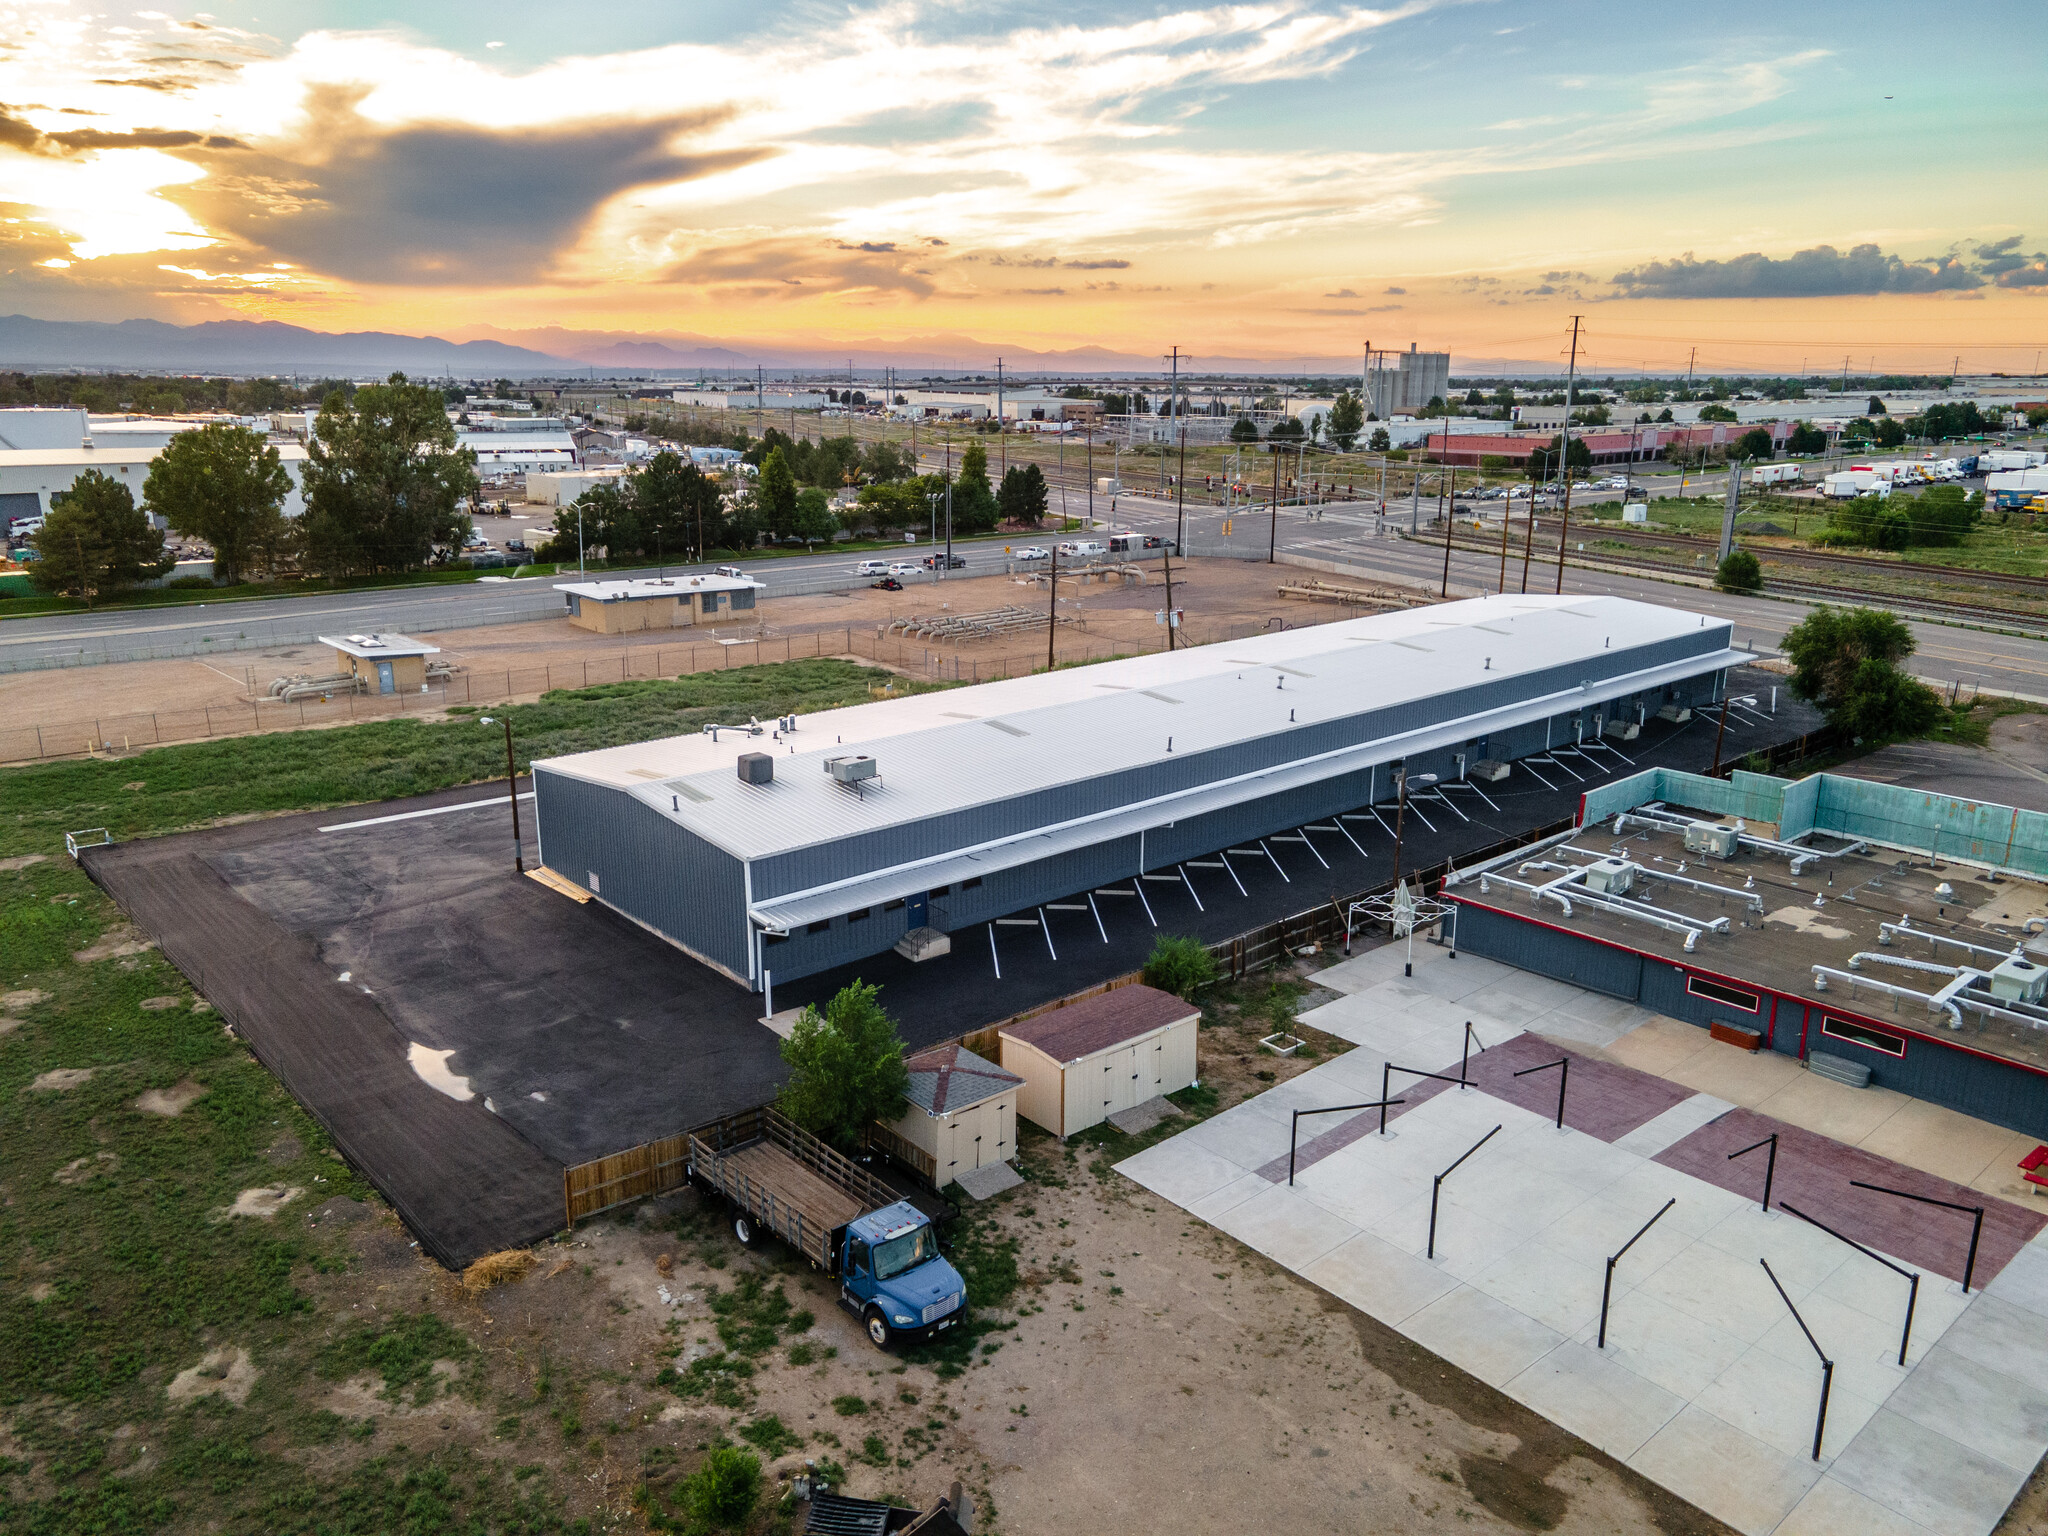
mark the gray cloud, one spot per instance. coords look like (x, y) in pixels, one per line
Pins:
(17, 132)
(1817, 273)
(1394, 290)
(437, 203)
(781, 267)
(1096, 266)
(1341, 293)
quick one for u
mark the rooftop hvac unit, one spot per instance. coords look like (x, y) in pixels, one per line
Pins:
(1611, 877)
(850, 770)
(756, 768)
(2014, 980)
(1715, 840)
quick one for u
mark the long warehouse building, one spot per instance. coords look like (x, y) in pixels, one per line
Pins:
(824, 839)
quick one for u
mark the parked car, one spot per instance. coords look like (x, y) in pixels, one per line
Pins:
(1033, 552)
(516, 547)
(887, 584)
(904, 568)
(872, 568)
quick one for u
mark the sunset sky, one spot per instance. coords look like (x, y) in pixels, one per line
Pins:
(1779, 184)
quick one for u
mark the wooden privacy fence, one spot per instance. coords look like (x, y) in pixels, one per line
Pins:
(652, 1168)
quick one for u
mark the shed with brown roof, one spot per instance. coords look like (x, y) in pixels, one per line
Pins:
(1084, 1062)
(962, 1115)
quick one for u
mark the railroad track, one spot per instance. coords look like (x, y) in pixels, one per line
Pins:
(1818, 559)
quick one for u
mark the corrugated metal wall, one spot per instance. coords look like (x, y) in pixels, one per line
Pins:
(1548, 952)
(646, 866)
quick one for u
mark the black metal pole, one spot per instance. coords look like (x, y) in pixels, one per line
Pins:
(1606, 1289)
(1912, 1279)
(512, 794)
(1970, 1264)
(1564, 1066)
(1976, 1228)
(1386, 1079)
(1439, 1184)
(1334, 1109)
(1770, 1166)
(1820, 1422)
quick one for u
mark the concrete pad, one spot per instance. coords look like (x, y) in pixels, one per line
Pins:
(1140, 1118)
(1831, 1508)
(1378, 1278)
(1661, 1344)
(1729, 1474)
(1596, 1398)
(1285, 1227)
(1803, 1256)
(1774, 1399)
(989, 1180)
(1829, 1108)
(1700, 1207)
(1336, 1186)
(2001, 1176)
(1556, 1289)
(1214, 1204)
(1247, 1137)
(1674, 1125)
(2024, 1281)
(1512, 1195)
(2008, 1339)
(1658, 1046)
(1942, 1142)
(1986, 1410)
(1180, 1171)
(1721, 1290)
(1481, 1335)
(1737, 1076)
(1509, 1005)
(1927, 1477)
(1865, 1349)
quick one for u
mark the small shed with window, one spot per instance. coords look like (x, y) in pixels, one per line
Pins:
(962, 1115)
(1082, 1063)
(621, 607)
(383, 663)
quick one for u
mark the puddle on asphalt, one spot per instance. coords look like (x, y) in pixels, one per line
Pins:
(432, 1067)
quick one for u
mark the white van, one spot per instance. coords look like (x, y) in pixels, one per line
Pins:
(24, 526)
(1083, 549)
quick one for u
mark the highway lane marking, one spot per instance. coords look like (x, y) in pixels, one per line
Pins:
(439, 810)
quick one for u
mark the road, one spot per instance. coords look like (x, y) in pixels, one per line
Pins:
(1347, 533)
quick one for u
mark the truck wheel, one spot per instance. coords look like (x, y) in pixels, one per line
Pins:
(743, 1228)
(878, 1327)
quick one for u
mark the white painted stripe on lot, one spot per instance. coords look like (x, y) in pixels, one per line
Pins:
(439, 810)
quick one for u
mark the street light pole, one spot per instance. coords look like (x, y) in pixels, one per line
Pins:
(511, 791)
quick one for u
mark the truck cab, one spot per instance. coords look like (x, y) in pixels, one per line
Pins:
(891, 1274)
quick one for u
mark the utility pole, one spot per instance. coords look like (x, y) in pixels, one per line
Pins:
(1052, 608)
(1170, 642)
(1273, 531)
(1090, 473)
(1002, 438)
(1564, 452)
(1728, 512)
(1180, 488)
(1449, 516)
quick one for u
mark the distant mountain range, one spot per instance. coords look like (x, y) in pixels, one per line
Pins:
(271, 347)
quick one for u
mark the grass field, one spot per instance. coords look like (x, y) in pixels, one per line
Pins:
(120, 1263)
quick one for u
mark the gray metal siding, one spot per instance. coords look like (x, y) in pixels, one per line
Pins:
(654, 871)
(1549, 952)
(850, 857)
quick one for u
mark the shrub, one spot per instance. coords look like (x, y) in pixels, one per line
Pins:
(723, 1490)
(1179, 965)
(1847, 661)
(1739, 572)
(846, 1067)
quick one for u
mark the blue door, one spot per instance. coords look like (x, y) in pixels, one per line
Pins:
(385, 682)
(920, 906)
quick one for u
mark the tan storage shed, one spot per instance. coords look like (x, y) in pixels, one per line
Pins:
(386, 663)
(962, 1115)
(1084, 1062)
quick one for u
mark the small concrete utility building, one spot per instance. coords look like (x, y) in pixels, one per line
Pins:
(1082, 1063)
(962, 1114)
(625, 607)
(387, 663)
(796, 847)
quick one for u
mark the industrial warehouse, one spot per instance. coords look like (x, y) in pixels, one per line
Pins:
(777, 850)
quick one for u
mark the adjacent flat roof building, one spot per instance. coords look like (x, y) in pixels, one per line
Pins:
(614, 607)
(794, 846)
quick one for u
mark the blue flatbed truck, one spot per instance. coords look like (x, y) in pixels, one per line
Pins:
(777, 1179)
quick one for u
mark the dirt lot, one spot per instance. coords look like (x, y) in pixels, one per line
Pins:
(186, 698)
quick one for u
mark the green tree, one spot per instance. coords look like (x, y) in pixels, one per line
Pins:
(1543, 462)
(1287, 431)
(845, 1067)
(815, 522)
(1717, 413)
(2037, 417)
(1435, 406)
(776, 494)
(1846, 660)
(1380, 441)
(1740, 572)
(1665, 414)
(1858, 430)
(1806, 438)
(1347, 419)
(724, 1489)
(96, 541)
(1022, 497)
(974, 503)
(225, 485)
(1942, 515)
(1890, 433)
(384, 480)
(1755, 444)
(1179, 965)
(1244, 430)
(1875, 407)
(1951, 418)
(1593, 416)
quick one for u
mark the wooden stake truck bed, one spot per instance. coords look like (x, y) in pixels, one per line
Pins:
(789, 1182)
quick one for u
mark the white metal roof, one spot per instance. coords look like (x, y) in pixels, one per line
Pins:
(380, 647)
(674, 586)
(956, 748)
